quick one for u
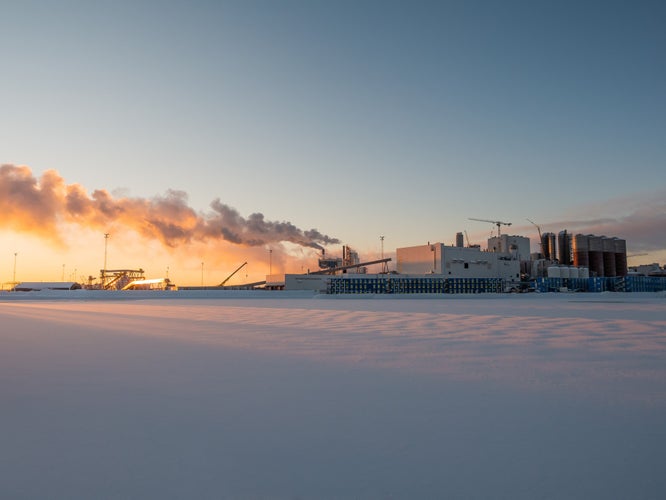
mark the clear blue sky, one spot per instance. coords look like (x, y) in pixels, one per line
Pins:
(357, 118)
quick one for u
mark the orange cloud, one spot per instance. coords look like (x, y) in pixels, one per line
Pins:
(41, 206)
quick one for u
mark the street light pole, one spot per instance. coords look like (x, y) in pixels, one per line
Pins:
(14, 278)
(384, 264)
(106, 242)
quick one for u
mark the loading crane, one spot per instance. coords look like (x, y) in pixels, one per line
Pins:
(229, 277)
(496, 222)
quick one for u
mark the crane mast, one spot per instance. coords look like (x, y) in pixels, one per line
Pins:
(539, 231)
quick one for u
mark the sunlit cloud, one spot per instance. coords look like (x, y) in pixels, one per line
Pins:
(43, 205)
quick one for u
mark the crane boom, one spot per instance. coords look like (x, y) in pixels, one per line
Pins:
(540, 238)
(498, 223)
(229, 277)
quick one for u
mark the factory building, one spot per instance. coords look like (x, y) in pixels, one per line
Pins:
(653, 270)
(518, 246)
(429, 267)
(458, 262)
(565, 261)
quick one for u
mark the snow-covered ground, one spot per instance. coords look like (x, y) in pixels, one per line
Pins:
(282, 396)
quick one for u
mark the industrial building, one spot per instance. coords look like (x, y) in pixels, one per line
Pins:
(566, 262)
(580, 262)
(430, 268)
(517, 246)
(458, 262)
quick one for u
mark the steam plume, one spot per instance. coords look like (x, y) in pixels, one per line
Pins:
(39, 206)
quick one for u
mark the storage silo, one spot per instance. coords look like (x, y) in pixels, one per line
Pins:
(573, 272)
(548, 246)
(581, 249)
(620, 257)
(553, 272)
(596, 255)
(564, 247)
(609, 256)
(564, 272)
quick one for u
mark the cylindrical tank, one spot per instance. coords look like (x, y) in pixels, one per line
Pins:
(581, 249)
(583, 272)
(460, 240)
(564, 247)
(564, 272)
(573, 272)
(609, 256)
(554, 272)
(548, 246)
(596, 255)
(620, 257)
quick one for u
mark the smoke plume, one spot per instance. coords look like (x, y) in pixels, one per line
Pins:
(40, 206)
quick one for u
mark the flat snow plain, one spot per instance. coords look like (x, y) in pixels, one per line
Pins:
(258, 395)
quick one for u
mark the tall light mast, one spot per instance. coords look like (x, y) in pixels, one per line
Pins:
(106, 242)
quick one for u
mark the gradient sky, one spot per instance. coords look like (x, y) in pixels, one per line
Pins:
(357, 118)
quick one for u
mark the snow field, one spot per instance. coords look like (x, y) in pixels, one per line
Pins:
(540, 396)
